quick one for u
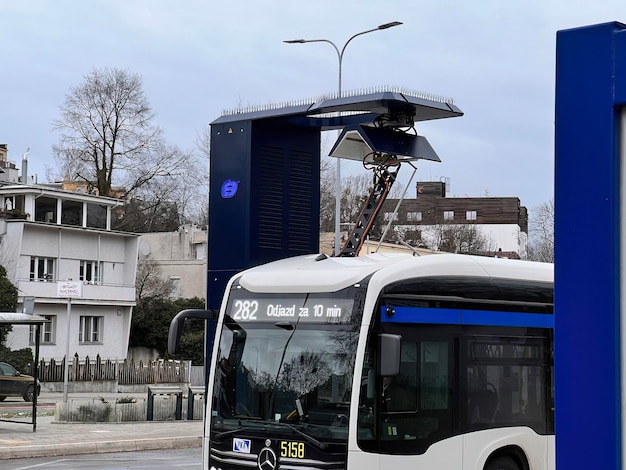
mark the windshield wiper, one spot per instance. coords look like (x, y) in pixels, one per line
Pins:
(240, 427)
(220, 436)
(311, 439)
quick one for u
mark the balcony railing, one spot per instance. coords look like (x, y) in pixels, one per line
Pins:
(101, 292)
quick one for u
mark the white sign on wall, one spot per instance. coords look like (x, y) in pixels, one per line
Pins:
(68, 289)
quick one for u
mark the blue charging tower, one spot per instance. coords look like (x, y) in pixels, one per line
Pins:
(590, 205)
(264, 200)
(264, 195)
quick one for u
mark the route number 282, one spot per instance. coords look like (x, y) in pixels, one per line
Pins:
(245, 310)
(294, 450)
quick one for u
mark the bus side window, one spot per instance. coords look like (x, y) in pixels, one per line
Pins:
(400, 392)
(434, 376)
(506, 384)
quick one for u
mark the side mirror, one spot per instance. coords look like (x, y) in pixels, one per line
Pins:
(177, 323)
(389, 354)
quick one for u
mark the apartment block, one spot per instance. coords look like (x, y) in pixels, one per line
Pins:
(502, 221)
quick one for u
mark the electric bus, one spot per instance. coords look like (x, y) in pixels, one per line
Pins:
(383, 361)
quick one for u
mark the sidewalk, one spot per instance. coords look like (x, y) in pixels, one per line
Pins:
(18, 440)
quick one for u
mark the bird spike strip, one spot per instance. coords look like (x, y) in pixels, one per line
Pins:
(346, 94)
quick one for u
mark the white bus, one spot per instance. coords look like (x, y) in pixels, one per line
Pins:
(384, 362)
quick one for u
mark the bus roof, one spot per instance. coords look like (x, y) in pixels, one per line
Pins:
(319, 273)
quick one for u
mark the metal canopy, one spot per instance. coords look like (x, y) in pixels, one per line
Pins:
(368, 144)
(14, 318)
(332, 112)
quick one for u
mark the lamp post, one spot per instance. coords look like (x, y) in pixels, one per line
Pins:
(340, 59)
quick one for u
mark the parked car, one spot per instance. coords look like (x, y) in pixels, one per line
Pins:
(14, 384)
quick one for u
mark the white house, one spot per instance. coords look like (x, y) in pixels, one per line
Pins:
(48, 235)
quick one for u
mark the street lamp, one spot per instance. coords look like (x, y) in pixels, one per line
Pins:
(340, 58)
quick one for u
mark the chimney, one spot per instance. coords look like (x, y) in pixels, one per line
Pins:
(25, 166)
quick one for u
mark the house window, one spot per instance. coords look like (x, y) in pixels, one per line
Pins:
(90, 329)
(448, 215)
(46, 209)
(41, 269)
(72, 213)
(470, 215)
(90, 271)
(175, 280)
(14, 203)
(414, 216)
(96, 216)
(47, 331)
(200, 249)
(391, 216)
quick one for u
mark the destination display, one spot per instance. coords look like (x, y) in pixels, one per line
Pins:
(296, 309)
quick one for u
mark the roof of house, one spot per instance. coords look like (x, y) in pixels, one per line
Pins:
(44, 190)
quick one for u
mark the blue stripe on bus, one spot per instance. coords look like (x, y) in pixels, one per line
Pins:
(448, 316)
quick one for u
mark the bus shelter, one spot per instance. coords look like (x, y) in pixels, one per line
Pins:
(13, 318)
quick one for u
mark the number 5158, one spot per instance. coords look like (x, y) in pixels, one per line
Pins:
(294, 450)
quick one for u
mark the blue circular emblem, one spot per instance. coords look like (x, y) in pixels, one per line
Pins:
(229, 188)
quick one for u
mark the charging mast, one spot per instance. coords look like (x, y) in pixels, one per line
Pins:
(590, 247)
(264, 201)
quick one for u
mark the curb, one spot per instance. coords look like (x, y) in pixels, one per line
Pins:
(77, 448)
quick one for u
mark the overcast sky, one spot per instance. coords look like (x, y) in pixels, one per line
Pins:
(495, 58)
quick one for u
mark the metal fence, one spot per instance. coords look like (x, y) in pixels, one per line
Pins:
(125, 372)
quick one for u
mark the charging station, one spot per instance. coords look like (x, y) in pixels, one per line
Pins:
(264, 200)
(590, 226)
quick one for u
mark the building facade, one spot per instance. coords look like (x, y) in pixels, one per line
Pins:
(8, 169)
(502, 222)
(181, 258)
(49, 236)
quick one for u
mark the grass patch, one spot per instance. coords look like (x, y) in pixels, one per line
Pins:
(25, 414)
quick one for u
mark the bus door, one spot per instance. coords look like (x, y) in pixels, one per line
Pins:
(416, 409)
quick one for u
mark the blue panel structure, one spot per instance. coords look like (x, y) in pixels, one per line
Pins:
(285, 209)
(590, 88)
(448, 316)
(228, 202)
(264, 200)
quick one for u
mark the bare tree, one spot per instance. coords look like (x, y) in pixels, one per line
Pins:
(327, 194)
(163, 203)
(443, 235)
(541, 233)
(200, 210)
(461, 238)
(203, 145)
(407, 234)
(354, 192)
(149, 283)
(107, 135)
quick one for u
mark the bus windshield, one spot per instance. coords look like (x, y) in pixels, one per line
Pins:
(286, 361)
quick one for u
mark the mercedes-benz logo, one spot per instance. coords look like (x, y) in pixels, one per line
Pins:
(266, 459)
